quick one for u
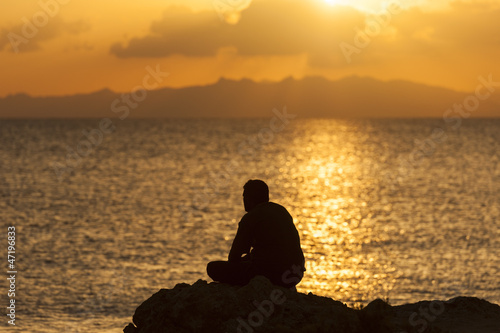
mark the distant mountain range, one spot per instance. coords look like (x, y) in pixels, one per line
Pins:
(309, 97)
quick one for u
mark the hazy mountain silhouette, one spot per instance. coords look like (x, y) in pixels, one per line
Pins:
(309, 97)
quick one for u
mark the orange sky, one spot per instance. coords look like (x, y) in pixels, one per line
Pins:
(80, 46)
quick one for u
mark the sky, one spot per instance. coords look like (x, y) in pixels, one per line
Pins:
(66, 47)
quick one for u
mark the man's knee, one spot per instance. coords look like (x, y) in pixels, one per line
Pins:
(291, 277)
(217, 270)
(211, 269)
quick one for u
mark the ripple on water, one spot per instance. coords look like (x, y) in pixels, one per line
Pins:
(157, 200)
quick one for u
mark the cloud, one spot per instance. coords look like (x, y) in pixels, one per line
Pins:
(465, 25)
(180, 31)
(465, 31)
(28, 36)
(276, 27)
(290, 27)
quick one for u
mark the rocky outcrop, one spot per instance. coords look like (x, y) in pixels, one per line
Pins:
(263, 307)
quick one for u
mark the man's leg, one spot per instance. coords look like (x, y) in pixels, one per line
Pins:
(285, 276)
(236, 273)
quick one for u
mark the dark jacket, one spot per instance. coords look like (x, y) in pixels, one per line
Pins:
(269, 232)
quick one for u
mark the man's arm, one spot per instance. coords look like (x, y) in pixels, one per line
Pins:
(242, 241)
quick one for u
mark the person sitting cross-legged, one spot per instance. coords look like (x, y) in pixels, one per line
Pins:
(266, 243)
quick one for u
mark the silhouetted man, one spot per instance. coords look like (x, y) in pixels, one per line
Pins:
(266, 243)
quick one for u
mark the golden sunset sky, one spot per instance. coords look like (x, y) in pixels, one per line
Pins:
(64, 47)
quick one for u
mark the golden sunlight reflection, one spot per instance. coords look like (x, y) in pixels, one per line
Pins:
(343, 259)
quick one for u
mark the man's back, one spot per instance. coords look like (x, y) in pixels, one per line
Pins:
(266, 243)
(270, 231)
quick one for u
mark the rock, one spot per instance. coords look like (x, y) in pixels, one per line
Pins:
(457, 315)
(263, 307)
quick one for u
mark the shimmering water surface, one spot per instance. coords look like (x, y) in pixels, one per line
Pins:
(399, 209)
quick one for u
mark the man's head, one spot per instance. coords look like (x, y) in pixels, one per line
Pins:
(255, 191)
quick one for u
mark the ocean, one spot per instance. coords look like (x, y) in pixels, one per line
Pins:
(107, 212)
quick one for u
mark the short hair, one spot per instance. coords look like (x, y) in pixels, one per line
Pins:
(257, 190)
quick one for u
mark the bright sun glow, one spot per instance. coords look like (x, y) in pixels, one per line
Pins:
(345, 3)
(373, 6)
(335, 2)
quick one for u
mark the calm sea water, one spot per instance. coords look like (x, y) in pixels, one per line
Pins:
(399, 209)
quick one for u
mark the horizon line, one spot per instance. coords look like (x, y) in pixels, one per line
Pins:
(222, 78)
